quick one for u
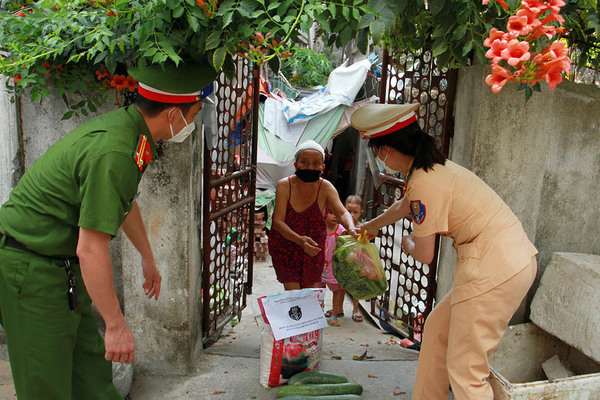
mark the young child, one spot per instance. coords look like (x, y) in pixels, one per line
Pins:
(297, 236)
(333, 231)
(354, 207)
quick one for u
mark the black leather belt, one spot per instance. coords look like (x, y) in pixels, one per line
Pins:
(12, 242)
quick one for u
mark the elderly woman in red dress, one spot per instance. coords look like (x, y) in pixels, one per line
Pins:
(297, 237)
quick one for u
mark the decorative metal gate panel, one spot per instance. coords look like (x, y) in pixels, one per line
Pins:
(228, 210)
(410, 297)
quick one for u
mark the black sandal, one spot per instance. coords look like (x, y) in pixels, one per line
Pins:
(330, 312)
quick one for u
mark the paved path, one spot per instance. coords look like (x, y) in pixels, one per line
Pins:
(229, 369)
(231, 366)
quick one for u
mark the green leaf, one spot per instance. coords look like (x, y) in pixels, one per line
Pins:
(436, 6)
(346, 35)
(193, 21)
(528, 93)
(218, 58)
(67, 115)
(274, 64)
(366, 9)
(467, 48)
(305, 23)
(283, 10)
(480, 53)
(362, 41)
(178, 12)
(150, 52)
(366, 20)
(323, 22)
(346, 13)
(459, 32)
(227, 18)
(213, 40)
(159, 58)
(439, 46)
(332, 9)
(443, 59)
(229, 67)
(377, 28)
(230, 48)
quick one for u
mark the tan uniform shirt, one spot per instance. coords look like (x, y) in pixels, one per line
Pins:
(489, 239)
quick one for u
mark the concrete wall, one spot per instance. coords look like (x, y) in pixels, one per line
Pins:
(167, 331)
(541, 156)
(11, 164)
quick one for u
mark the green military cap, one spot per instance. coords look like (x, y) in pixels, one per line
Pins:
(185, 83)
(374, 120)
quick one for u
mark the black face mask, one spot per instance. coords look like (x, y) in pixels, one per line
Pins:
(308, 175)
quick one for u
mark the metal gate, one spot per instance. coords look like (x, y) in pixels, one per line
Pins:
(410, 297)
(228, 211)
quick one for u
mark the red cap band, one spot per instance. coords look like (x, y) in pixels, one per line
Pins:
(397, 126)
(167, 98)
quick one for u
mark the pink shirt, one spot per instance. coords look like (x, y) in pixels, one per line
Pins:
(327, 276)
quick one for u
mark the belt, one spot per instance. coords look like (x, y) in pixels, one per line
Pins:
(12, 242)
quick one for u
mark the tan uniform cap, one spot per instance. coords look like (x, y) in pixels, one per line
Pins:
(374, 120)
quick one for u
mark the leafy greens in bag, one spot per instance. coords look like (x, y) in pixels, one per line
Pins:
(357, 267)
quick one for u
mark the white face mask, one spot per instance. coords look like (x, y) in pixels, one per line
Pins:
(385, 167)
(184, 132)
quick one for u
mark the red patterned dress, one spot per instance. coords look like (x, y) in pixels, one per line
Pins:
(290, 262)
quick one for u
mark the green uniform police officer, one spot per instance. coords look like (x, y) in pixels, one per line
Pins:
(54, 235)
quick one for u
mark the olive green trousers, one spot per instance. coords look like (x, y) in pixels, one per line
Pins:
(55, 353)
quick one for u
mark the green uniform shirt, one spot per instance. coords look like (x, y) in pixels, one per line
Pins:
(88, 179)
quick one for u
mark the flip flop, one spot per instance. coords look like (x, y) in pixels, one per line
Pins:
(329, 313)
(357, 317)
(333, 321)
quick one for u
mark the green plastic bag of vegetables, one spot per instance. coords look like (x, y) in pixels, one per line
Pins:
(357, 267)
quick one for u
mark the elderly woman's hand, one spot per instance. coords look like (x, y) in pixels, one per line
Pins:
(309, 246)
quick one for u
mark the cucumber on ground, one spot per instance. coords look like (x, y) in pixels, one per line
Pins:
(320, 390)
(330, 397)
(319, 377)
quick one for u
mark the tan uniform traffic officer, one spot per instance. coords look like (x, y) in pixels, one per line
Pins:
(496, 262)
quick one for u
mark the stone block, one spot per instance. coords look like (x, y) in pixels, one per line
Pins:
(555, 369)
(567, 299)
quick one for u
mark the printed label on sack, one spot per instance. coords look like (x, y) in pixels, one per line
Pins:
(294, 313)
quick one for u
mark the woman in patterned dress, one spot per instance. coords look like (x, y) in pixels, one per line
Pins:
(297, 237)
